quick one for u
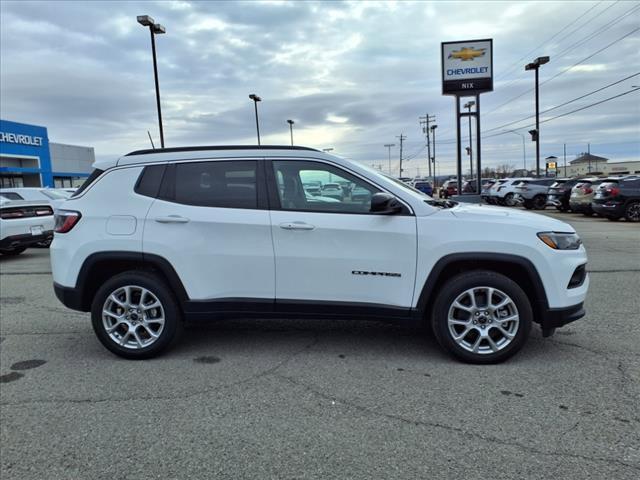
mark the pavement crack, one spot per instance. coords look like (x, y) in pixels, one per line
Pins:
(451, 428)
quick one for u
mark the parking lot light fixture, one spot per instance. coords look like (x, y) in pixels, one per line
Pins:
(256, 99)
(154, 29)
(291, 122)
(535, 65)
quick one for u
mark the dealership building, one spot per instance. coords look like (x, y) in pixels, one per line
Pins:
(28, 159)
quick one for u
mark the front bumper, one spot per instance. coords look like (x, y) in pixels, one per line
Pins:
(554, 318)
(24, 240)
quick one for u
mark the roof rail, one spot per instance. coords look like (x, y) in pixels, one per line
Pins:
(218, 147)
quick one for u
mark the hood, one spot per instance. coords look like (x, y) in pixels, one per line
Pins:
(506, 215)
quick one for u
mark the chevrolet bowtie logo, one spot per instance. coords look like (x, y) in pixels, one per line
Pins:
(466, 53)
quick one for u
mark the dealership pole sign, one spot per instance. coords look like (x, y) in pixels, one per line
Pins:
(467, 67)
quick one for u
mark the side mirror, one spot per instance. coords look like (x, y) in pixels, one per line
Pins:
(385, 204)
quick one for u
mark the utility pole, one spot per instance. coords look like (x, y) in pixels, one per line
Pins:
(388, 146)
(589, 155)
(402, 138)
(424, 123)
(565, 159)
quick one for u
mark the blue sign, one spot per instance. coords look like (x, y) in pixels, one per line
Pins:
(29, 142)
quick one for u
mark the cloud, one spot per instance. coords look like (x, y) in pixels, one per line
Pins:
(353, 75)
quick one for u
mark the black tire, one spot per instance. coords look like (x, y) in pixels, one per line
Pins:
(12, 251)
(509, 200)
(172, 315)
(480, 278)
(632, 211)
(528, 204)
(540, 202)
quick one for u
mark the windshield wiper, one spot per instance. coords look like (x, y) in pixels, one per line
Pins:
(442, 203)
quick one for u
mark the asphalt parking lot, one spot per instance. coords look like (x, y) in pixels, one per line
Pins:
(322, 399)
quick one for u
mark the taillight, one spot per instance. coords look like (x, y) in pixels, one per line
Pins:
(587, 190)
(12, 214)
(614, 191)
(40, 212)
(66, 220)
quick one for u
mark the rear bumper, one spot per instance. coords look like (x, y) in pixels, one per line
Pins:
(611, 210)
(24, 240)
(70, 297)
(554, 318)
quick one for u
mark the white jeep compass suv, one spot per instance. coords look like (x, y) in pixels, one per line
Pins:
(160, 237)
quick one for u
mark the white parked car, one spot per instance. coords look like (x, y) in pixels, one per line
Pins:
(158, 237)
(503, 192)
(24, 224)
(55, 196)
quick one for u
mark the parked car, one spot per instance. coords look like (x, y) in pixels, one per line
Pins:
(560, 192)
(424, 186)
(54, 196)
(147, 244)
(312, 188)
(24, 224)
(486, 188)
(449, 188)
(332, 190)
(582, 195)
(617, 198)
(361, 195)
(503, 192)
(533, 193)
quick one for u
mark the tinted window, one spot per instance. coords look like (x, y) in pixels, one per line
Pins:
(149, 181)
(95, 174)
(11, 195)
(292, 175)
(216, 184)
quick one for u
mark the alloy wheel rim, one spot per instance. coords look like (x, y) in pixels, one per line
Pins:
(634, 212)
(483, 320)
(133, 317)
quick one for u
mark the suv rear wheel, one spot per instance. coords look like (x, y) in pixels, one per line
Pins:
(481, 317)
(540, 202)
(632, 212)
(135, 315)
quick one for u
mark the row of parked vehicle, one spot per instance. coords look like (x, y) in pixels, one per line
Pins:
(27, 217)
(610, 197)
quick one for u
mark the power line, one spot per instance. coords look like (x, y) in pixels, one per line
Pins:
(563, 71)
(565, 103)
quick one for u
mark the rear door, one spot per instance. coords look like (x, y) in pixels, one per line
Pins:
(211, 223)
(337, 252)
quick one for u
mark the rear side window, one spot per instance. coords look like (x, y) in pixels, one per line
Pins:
(90, 179)
(225, 184)
(11, 195)
(150, 180)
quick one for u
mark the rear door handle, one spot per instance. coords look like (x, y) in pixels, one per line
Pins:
(297, 226)
(172, 219)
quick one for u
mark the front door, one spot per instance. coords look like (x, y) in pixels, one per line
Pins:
(329, 247)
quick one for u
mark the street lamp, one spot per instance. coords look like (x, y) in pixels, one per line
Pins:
(155, 29)
(433, 159)
(291, 122)
(468, 106)
(256, 99)
(388, 146)
(524, 158)
(535, 65)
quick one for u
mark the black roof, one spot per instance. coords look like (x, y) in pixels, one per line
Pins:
(218, 147)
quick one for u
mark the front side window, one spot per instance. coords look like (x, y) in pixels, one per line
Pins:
(319, 187)
(216, 184)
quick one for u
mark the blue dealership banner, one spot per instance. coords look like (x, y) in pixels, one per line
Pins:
(21, 140)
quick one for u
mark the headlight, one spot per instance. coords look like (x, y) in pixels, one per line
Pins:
(561, 241)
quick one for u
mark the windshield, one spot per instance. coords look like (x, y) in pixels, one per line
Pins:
(56, 194)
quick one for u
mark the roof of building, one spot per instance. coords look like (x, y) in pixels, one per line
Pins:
(587, 157)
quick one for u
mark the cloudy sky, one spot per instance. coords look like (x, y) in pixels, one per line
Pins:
(352, 75)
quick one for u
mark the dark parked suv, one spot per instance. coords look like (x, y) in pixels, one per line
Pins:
(615, 199)
(560, 192)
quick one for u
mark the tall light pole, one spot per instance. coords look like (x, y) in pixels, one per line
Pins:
(524, 155)
(535, 65)
(433, 159)
(388, 146)
(468, 106)
(291, 122)
(155, 29)
(256, 99)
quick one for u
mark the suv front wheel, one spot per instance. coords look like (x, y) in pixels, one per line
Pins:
(135, 315)
(481, 317)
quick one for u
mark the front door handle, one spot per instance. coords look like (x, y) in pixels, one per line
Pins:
(297, 226)
(172, 219)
